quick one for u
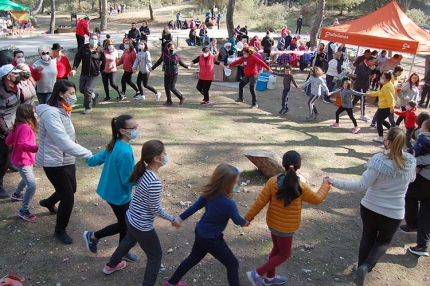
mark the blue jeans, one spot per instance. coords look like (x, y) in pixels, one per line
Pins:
(28, 180)
(203, 40)
(43, 97)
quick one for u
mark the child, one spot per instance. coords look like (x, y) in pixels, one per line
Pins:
(346, 94)
(316, 81)
(410, 116)
(219, 208)
(288, 79)
(422, 145)
(23, 140)
(423, 116)
(114, 186)
(284, 193)
(144, 206)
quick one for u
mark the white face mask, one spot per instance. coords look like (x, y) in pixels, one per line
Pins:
(245, 55)
(46, 58)
(382, 80)
(20, 60)
(141, 47)
(205, 55)
(408, 107)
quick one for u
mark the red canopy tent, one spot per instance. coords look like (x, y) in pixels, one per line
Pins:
(387, 28)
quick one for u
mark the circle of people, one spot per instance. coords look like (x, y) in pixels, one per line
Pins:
(392, 177)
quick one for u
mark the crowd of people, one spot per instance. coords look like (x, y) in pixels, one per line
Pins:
(390, 176)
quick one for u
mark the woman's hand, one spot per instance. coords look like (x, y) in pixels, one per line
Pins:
(327, 179)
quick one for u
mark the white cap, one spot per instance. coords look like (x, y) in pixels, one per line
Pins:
(7, 69)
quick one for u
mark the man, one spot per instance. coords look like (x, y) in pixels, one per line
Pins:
(359, 60)
(144, 31)
(9, 101)
(267, 44)
(218, 19)
(18, 57)
(91, 57)
(362, 83)
(179, 20)
(391, 63)
(82, 30)
(299, 24)
(134, 34)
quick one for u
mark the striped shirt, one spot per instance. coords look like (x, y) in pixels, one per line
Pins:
(146, 203)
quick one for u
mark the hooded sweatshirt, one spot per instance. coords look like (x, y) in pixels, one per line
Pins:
(143, 62)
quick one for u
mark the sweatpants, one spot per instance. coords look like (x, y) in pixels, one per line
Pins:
(219, 249)
(150, 244)
(142, 82)
(311, 104)
(362, 99)
(86, 87)
(64, 181)
(284, 102)
(381, 115)
(203, 87)
(170, 86)
(109, 78)
(243, 82)
(126, 79)
(119, 227)
(378, 231)
(417, 209)
(281, 251)
(348, 111)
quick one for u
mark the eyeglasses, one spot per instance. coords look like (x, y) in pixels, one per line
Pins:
(43, 53)
(131, 128)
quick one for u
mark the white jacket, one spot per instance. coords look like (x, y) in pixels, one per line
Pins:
(57, 139)
(332, 68)
(143, 62)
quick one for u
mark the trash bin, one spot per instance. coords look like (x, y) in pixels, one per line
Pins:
(261, 84)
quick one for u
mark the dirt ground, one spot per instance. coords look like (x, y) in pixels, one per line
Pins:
(197, 139)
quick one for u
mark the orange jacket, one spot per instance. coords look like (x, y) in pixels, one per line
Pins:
(284, 219)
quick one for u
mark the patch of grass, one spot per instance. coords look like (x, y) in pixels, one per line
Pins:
(255, 176)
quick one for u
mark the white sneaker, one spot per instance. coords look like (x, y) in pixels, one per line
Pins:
(139, 97)
(157, 96)
(364, 118)
(378, 139)
(87, 111)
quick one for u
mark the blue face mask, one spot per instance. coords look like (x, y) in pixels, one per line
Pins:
(126, 46)
(236, 188)
(133, 134)
(93, 42)
(165, 160)
(70, 100)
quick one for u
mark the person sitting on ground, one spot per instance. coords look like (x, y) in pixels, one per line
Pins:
(281, 43)
(255, 42)
(224, 53)
(244, 31)
(194, 40)
(302, 47)
(192, 23)
(293, 45)
(204, 35)
(171, 25)
(336, 22)
(185, 25)
(212, 47)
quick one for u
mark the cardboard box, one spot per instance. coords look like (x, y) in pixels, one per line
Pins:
(218, 73)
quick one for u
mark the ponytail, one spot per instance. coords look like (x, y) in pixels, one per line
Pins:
(290, 188)
(116, 124)
(397, 138)
(150, 150)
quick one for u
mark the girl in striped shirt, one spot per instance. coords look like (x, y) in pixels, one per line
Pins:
(144, 206)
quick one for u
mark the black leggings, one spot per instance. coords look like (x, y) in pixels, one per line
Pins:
(126, 79)
(142, 82)
(203, 87)
(64, 181)
(169, 86)
(349, 112)
(381, 115)
(109, 78)
(5, 154)
(119, 227)
(425, 95)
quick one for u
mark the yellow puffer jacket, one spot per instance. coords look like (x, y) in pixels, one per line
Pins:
(284, 219)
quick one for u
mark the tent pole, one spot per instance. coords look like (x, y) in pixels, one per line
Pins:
(412, 65)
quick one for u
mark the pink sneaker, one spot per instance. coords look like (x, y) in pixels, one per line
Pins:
(108, 270)
(181, 283)
(355, 130)
(335, 125)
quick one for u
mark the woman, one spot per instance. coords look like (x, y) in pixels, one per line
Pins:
(26, 89)
(109, 67)
(204, 35)
(58, 148)
(171, 60)
(127, 60)
(383, 207)
(45, 85)
(166, 38)
(251, 63)
(408, 92)
(144, 207)
(320, 56)
(386, 104)
(206, 63)
(144, 31)
(332, 75)
(143, 63)
(62, 62)
(255, 42)
(114, 186)
(212, 47)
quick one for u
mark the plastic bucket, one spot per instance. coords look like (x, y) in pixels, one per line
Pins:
(227, 71)
(261, 84)
(266, 75)
(272, 82)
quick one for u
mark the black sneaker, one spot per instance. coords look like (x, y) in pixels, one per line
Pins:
(372, 125)
(286, 111)
(362, 271)
(52, 209)
(316, 115)
(107, 98)
(3, 193)
(63, 237)
(420, 251)
(239, 100)
(406, 229)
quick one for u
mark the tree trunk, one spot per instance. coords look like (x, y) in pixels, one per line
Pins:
(34, 12)
(318, 22)
(52, 24)
(151, 12)
(229, 17)
(427, 65)
(269, 163)
(103, 16)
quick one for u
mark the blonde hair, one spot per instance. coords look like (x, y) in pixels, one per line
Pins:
(397, 139)
(316, 71)
(338, 55)
(221, 182)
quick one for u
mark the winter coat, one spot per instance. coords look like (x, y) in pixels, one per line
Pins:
(171, 61)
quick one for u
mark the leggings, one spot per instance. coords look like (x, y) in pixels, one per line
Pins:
(281, 251)
(203, 87)
(126, 79)
(425, 95)
(109, 78)
(142, 82)
(349, 112)
(169, 86)
(118, 227)
(381, 115)
(311, 104)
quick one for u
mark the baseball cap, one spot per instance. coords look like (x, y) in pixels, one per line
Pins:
(7, 69)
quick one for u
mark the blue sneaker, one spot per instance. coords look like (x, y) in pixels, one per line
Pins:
(91, 243)
(277, 280)
(131, 257)
(253, 278)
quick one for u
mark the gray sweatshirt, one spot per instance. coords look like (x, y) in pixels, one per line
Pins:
(424, 161)
(384, 185)
(143, 62)
(316, 84)
(406, 91)
(49, 76)
(346, 95)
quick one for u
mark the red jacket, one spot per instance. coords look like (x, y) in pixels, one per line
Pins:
(410, 117)
(127, 60)
(82, 28)
(34, 73)
(250, 64)
(206, 67)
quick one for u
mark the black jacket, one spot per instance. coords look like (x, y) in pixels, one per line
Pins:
(9, 102)
(170, 63)
(362, 82)
(267, 42)
(134, 34)
(91, 60)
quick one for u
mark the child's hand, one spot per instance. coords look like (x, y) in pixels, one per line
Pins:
(176, 224)
(417, 169)
(327, 179)
(247, 223)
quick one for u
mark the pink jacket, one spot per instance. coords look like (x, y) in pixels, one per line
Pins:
(24, 145)
(110, 60)
(127, 60)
